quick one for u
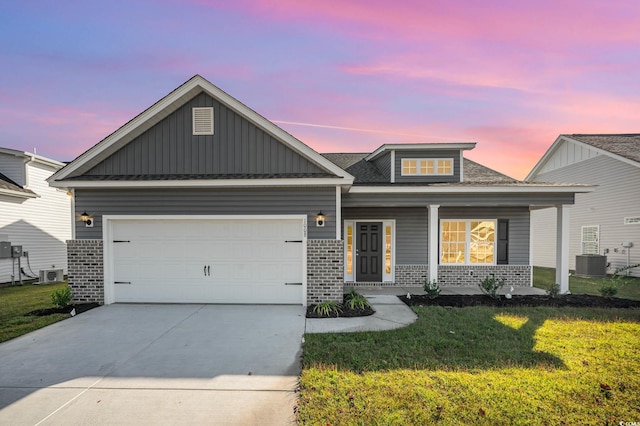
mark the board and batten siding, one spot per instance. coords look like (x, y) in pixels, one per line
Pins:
(40, 225)
(616, 197)
(272, 201)
(236, 147)
(411, 230)
(519, 223)
(454, 155)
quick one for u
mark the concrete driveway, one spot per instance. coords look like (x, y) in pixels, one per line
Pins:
(156, 364)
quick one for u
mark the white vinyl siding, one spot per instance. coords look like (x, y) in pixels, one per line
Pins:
(41, 225)
(615, 198)
(590, 238)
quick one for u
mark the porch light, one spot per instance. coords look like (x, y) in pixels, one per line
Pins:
(88, 222)
(320, 219)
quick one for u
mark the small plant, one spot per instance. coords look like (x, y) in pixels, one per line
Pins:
(491, 285)
(328, 308)
(609, 287)
(61, 297)
(432, 288)
(554, 290)
(356, 301)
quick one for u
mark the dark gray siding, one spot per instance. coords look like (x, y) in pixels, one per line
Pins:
(477, 199)
(309, 201)
(383, 163)
(411, 230)
(455, 155)
(519, 222)
(236, 147)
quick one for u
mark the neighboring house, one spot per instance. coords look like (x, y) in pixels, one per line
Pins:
(603, 221)
(32, 214)
(199, 199)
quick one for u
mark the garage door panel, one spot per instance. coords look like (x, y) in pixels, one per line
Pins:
(248, 261)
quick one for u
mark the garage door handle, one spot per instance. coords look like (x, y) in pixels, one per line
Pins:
(292, 283)
(205, 270)
(293, 241)
(209, 270)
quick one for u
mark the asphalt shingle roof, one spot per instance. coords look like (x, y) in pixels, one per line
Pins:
(624, 145)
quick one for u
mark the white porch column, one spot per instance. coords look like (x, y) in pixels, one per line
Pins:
(433, 242)
(562, 248)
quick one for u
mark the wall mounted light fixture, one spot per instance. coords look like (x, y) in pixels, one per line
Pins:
(320, 220)
(88, 220)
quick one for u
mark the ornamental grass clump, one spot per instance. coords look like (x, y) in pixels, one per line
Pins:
(491, 285)
(328, 308)
(355, 301)
(61, 297)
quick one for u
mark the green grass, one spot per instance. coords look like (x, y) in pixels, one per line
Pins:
(544, 277)
(15, 301)
(480, 365)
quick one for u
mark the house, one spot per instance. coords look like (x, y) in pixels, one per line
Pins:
(605, 221)
(201, 199)
(32, 215)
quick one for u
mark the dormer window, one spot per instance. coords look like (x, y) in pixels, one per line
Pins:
(427, 166)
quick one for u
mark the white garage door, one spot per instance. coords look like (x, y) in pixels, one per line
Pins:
(207, 261)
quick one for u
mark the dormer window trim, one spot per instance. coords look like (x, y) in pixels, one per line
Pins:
(427, 167)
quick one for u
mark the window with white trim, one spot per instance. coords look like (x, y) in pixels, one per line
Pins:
(427, 166)
(591, 239)
(202, 120)
(468, 242)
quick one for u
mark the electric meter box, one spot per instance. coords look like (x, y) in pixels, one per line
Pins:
(5, 249)
(16, 251)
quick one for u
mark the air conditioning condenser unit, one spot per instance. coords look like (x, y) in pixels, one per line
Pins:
(48, 276)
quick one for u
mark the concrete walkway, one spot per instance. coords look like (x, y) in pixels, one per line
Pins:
(391, 313)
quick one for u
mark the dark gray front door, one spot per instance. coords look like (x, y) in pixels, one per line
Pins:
(369, 251)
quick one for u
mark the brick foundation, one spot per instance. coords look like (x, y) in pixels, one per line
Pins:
(516, 275)
(324, 270)
(86, 271)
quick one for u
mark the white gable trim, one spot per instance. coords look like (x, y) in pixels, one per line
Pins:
(200, 183)
(469, 189)
(419, 147)
(17, 194)
(172, 101)
(562, 139)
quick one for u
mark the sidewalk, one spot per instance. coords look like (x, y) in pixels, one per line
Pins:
(391, 313)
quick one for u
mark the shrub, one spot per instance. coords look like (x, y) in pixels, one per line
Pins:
(328, 308)
(61, 297)
(554, 290)
(491, 285)
(608, 288)
(432, 289)
(355, 300)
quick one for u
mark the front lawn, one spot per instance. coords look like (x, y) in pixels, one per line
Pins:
(544, 277)
(478, 365)
(15, 301)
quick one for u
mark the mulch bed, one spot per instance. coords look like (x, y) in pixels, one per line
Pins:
(571, 300)
(80, 308)
(346, 313)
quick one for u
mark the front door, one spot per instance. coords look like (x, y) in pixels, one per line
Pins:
(369, 251)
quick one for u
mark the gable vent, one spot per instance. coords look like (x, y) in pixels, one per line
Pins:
(203, 121)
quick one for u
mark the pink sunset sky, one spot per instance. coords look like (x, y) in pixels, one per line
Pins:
(342, 76)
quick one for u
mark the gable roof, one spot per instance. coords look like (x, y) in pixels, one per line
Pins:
(420, 146)
(166, 106)
(623, 147)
